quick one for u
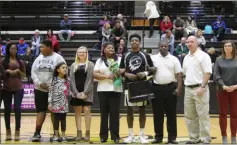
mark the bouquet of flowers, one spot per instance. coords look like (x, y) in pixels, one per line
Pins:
(114, 67)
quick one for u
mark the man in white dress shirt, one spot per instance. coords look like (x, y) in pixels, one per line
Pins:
(166, 90)
(197, 69)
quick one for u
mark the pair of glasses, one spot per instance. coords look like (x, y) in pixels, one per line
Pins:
(82, 52)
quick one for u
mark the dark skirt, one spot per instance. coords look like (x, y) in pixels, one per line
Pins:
(80, 102)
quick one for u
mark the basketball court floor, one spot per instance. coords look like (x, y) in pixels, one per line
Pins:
(28, 128)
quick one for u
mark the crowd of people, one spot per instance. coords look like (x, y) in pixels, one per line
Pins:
(188, 64)
(53, 89)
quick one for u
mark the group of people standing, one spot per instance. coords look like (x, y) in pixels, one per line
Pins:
(53, 88)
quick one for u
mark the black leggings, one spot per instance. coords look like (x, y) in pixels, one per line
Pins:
(60, 117)
(7, 99)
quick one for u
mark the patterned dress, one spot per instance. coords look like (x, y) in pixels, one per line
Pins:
(58, 95)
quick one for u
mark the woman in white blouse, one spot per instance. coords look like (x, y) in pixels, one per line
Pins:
(109, 93)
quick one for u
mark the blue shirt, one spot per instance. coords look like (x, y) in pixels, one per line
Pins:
(4, 50)
(22, 48)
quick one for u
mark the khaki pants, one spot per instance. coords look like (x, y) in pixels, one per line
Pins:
(196, 111)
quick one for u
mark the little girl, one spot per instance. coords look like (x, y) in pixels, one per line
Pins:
(58, 100)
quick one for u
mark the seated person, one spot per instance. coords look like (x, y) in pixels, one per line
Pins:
(165, 24)
(182, 49)
(106, 33)
(219, 28)
(35, 42)
(118, 33)
(28, 59)
(53, 38)
(201, 39)
(123, 21)
(178, 28)
(121, 47)
(191, 26)
(104, 20)
(1, 55)
(22, 47)
(212, 53)
(168, 37)
(7, 41)
(66, 25)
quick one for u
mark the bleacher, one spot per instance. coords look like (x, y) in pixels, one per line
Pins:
(20, 19)
(43, 15)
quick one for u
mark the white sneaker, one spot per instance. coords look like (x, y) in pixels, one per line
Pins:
(129, 139)
(143, 140)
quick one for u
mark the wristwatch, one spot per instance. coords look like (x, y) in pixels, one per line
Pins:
(203, 86)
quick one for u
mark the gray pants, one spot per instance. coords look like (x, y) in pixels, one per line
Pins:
(196, 111)
(68, 32)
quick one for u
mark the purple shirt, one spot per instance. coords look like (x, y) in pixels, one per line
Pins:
(13, 83)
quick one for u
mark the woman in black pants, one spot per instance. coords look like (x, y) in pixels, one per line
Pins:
(109, 93)
(12, 86)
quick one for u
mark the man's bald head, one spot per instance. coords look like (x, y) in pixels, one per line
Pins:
(192, 43)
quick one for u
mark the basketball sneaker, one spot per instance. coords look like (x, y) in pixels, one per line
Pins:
(36, 137)
(129, 139)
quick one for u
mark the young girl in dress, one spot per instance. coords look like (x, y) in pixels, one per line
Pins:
(58, 100)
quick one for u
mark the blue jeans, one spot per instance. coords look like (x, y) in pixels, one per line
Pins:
(171, 49)
(7, 99)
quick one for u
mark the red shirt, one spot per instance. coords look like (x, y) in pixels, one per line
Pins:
(165, 26)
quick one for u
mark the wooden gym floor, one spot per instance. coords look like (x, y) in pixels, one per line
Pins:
(28, 128)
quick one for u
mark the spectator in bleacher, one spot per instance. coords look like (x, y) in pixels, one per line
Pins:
(169, 38)
(201, 39)
(66, 26)
(123, 21)
(42, 75)
(104, 20)
(225, 71)
(152, 15)
(118, 33)
(182, 49)
(106, 33)
(7, 41)
(219, 28)
(22, 47)
(28, 59)
(121, 47)
(191, 26)
(1, 54)
(178, 28)
(53, 38)
(35, 41)
(12, 86)
(165, 24)
(212, 53)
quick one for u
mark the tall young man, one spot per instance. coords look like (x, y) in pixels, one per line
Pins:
(137, 65)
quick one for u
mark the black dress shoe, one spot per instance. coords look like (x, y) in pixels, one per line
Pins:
(103, 140)
(157, 141)
(116, 140)
(172, 142)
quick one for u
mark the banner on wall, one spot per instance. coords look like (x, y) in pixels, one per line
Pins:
(28, 99)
